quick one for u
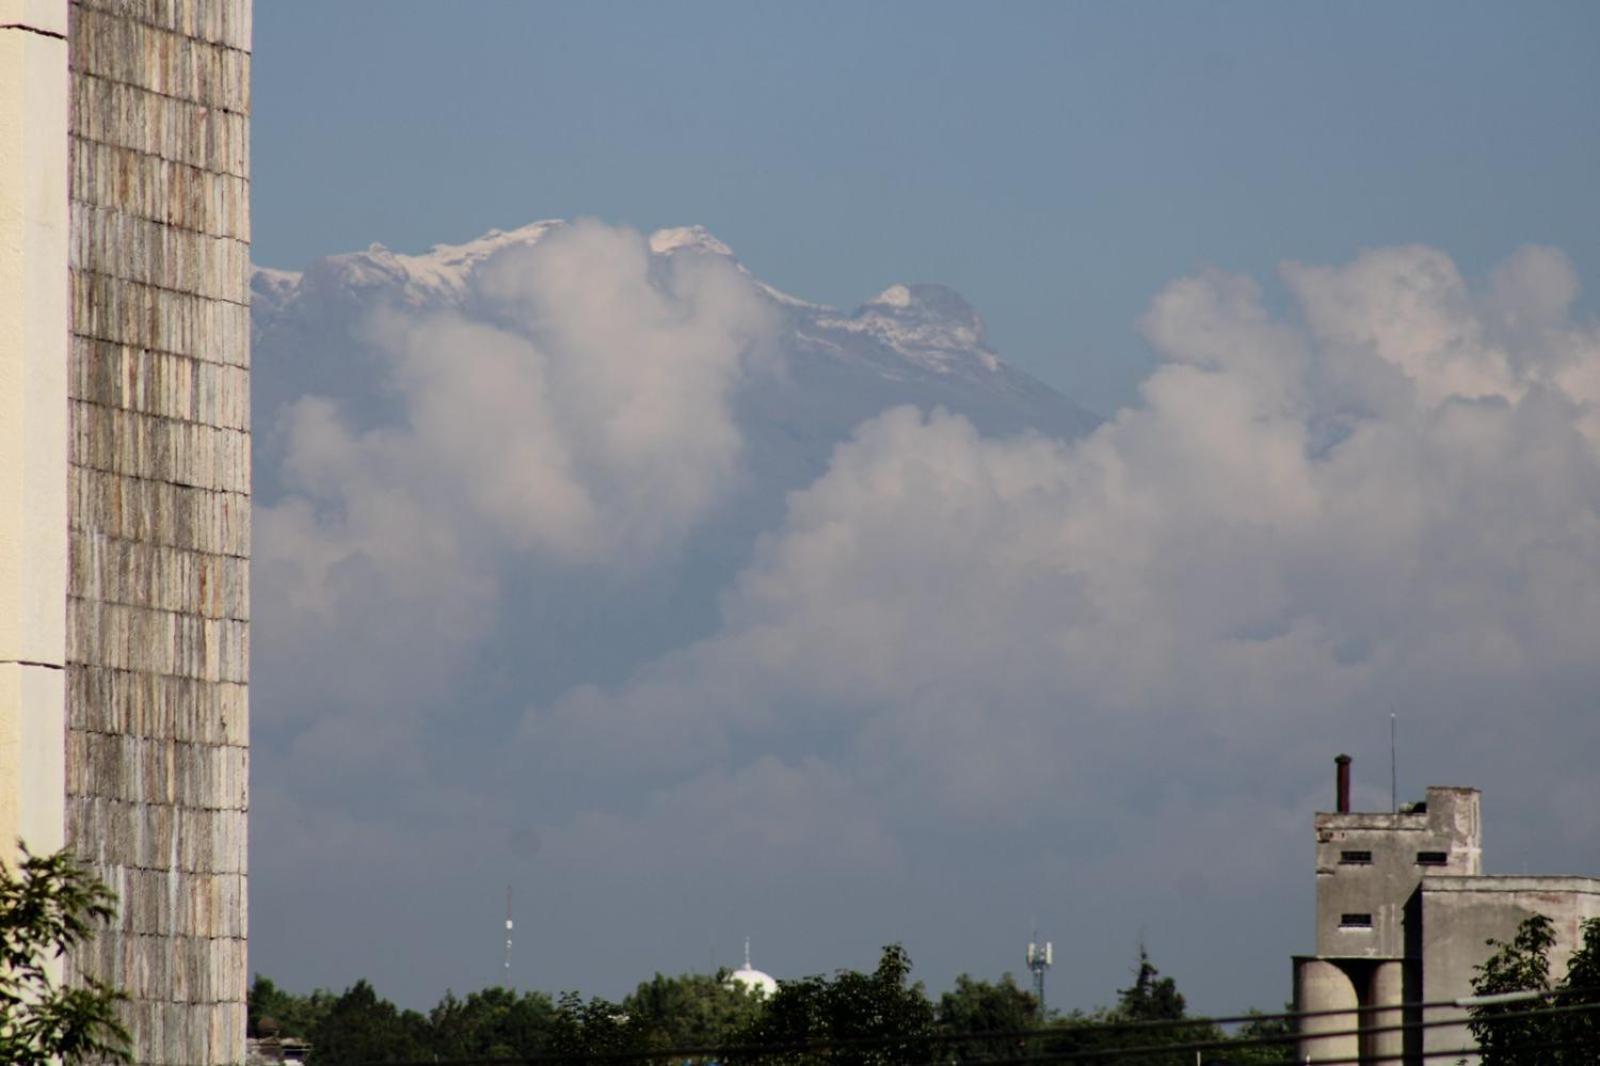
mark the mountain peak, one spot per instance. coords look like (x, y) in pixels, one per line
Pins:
(893, 296)
(456, 256)
(916, 343)
(924, 299)
(932, 326)
(923, 317)
(687, 239)
(441, 275)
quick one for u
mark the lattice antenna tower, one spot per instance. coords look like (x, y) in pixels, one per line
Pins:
(1041, 956)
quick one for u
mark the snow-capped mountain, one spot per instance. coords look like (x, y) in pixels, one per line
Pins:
(834, 369)
(917, 344)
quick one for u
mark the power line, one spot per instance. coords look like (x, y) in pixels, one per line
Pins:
(1448, 1053)
(1104, 1054)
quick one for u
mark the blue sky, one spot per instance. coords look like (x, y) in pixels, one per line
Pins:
(1055, 162)
(932, 683)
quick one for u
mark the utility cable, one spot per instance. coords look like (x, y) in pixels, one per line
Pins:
(1090, 1030)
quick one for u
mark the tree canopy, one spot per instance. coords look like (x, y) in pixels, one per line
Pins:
(1151, 997)
(862, 1019)
(49, 904)
(847, 1018)
(984, 1007)
(1515, 1034)
(691, 1010)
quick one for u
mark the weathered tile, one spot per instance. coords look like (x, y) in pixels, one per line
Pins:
(159, 507)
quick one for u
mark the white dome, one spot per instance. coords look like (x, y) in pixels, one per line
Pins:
(752, 980)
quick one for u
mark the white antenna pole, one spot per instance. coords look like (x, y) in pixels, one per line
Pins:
(1394, 772)
(505, 979)
(747, 954)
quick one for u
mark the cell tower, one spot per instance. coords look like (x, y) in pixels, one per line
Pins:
(505, 978)
(1040, 958)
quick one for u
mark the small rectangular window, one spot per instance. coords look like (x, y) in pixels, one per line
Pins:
(1355, 858)
(1432, 858)
(1355, 921)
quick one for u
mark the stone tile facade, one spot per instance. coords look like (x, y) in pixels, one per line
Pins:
(158, 606)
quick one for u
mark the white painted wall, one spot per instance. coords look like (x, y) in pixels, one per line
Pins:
(34, 229)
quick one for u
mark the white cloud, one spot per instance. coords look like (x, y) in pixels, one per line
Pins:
(583, 414)
(1256, 550)
(1096, 663)
(580, 417)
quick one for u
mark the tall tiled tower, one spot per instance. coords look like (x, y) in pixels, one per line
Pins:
(124, 487)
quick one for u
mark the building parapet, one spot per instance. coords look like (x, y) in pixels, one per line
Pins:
(1563, 883)
(1406, 820)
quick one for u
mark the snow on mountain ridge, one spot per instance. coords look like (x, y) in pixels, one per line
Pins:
(893, 296)
(443, 272)
(440, 273)
(674, 239)
(928, 327)
(921, 345)
(687, 238)
(930, 324)
(465, 256)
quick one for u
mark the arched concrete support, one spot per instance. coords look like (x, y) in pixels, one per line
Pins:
(1388, 987)
(1320, 985)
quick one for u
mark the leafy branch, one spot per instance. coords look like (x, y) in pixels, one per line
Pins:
(48, 905)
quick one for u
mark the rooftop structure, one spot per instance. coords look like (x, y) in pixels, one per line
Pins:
(1403, 913)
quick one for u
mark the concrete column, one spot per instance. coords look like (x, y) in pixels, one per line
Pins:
(1388, 987)
(1322, 985)
(34, 235)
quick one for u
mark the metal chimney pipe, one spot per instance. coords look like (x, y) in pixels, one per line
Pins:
(1342, 783)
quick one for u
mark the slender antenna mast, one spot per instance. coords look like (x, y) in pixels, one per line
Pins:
(505, 978)
(1394, 773)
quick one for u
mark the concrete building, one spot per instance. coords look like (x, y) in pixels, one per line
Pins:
(125, 488)
(1403, 913)
(276, 1051)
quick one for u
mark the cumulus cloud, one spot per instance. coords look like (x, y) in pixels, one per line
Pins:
(1395, 495)
(583, 413)
(576, 414)
(1104, 664)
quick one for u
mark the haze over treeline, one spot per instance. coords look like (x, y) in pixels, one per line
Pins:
(576, 577)
(880, 1016)
(1072, 426)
